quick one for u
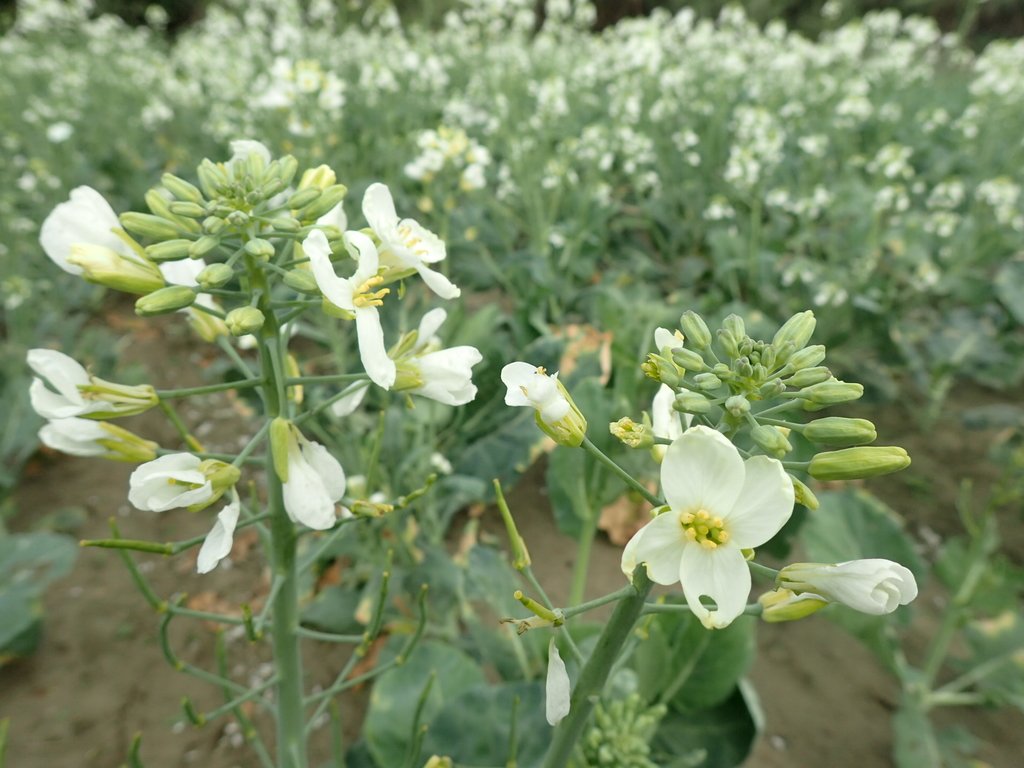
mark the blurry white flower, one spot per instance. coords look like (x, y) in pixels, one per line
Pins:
(59, 132)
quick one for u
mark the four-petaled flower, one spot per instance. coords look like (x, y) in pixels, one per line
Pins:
(313, 483)
(719, 505)
(359, 295)
(405, 243)
(556, 413)
(440, 374)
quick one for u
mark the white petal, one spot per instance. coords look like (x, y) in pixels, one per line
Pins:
(50, 405)
(353, 398)
(76, 437)
(217, 544)
(365, 252)
(336, 289)
(558, 690)
(86, 218)
(242, 148)
(438, 283)
(664, 338)
(379, 367)
(183, 272)
(661, 546)
(629, 560)
(429, 325)
(721, 574)
(64, 373)
(379, 209)
(305, 499)
(334, 218)
(764, 504)
(324, 464)
(702, 470)
(516, 376)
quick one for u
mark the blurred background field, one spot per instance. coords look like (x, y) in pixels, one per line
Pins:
(595, 169)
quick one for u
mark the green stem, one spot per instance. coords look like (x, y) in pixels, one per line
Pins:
(597, 602)
(164, 394)
(175, 419)
(584, 544)
(595, 672)
(598, 454)
(669, 691)
(332, 378)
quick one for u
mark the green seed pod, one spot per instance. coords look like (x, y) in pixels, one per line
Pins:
(798, 329)
(695, 329)
(840, 432)
(857, 463)
(215, 275)
(169, 299)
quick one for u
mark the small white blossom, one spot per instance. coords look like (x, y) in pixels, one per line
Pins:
(874, 586)
(171, 481)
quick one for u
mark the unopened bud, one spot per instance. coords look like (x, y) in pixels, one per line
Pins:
(303, 197)
(632, 434)
(809, 376)
(148, 225)
(786, 605)
(688, 359)
(734, 325)
(215, 275)
(707, 381)
(798, 329)
(737, 405)
(181, 189)
(285, 224)
(808, 357)
(244, 320)
(212, 178)
(203, 246)
(287, 167)
(804, 495)
(260, 248)
(728, 342)
(691, 402)
(830, 392)
(840, 432)
(770, 440)
(187, 209)
(857, 463)
(214, 225)
(169, 250)
(108, 268)
(301, 280)
(169, 299)
(771, 389)
(327, 200)
(319, 178)
(695, 329)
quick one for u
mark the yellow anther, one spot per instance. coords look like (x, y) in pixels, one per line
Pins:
(723, 536)
(718, 522)
(701, 529)
(686, 518)
(365, 296)
(703, 515)
(708, 544)
(541, 371)
(691, 534)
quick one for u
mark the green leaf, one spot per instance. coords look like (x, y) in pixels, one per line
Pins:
(915, 745)
(474, 728)
(389, 719)
(1009, 285)
(690, 667)
(720, 737)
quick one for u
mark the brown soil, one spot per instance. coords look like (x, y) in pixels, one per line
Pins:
(100, 676)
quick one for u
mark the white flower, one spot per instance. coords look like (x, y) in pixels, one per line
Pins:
(351, 398)
(532, 386)
(666, 422)
(241, 149)
(171, 481)
(444, 375)
(666, 340)
(405, 244)
(557, 690)
(86, 437)
(182, 272)
(218, 542)
(85, 219)
(356, 294)
(65, 375)
(875, 586)
(719, 505)
(315, 482)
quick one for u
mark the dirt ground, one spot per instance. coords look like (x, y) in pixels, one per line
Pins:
(100, 676)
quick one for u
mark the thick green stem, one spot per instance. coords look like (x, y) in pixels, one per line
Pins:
(595, 672)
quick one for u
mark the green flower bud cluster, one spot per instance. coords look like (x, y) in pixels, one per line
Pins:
(748, 388)
(621, 734)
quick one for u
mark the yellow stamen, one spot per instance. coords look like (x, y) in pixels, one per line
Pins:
(365, 296)
(702, 528)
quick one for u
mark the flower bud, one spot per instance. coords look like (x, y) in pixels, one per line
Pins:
(658, 368)
(737, 405)
(303, 197)
(808, 357)
(874, 586)
(804, 495)
(285, 224)
(181, 189)
(840, 432)
(203, 246)
(771, 389)
(770, 440)
(319, 178)
(520, 554)
(187, 209)
(809, 376)
(688, 360)
(728, 342)
(632, 434)
(831, 392)
(327, 200)
(798, 329)
(691, 402)
(169, 250)
(244, 320)
(212, 178)
(786, 605)
(695, 329)
(221, 476)
(438, 761)
(148, 225)
(215, 275)
(169, 299)
(857, 463)
(735, 326)
(214, 225)
(301, 280)
(287, 166)
(260, 248)
(707, 382)
(111, 269)
(208, 327)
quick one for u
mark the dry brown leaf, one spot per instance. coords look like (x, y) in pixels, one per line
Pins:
(623, 518)
(582, 339)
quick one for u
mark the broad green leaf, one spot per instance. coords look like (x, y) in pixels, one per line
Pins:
(474, 728)
(915, 745)
(388, 728)
(1009, 285)
(720, 737)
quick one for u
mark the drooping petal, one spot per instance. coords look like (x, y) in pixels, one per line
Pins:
(702, 470)
(324, 464)
(764, 504)
(51, 405)
(352, 399)
(721, 574)
(438, 283)
(558, 690)
(76, 437)
(305, 498)
(365, 252)
(516, 376)
(182, 272)
(379, 367)
(379, 209)
(336, 289)
(665, 339)
(661, 545)
(218, 542)
(429, 325)
(64, 373)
